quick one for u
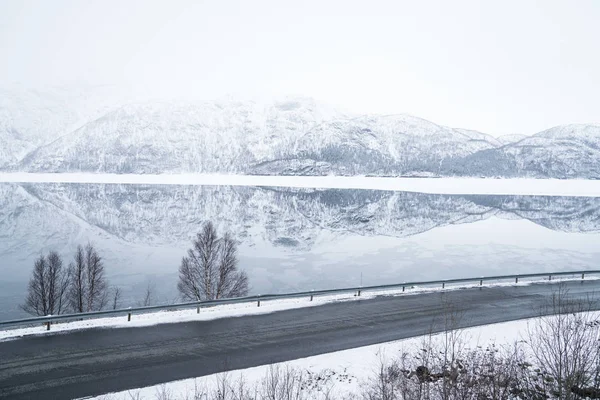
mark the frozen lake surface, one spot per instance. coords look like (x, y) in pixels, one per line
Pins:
(296, 237)
(517, 186)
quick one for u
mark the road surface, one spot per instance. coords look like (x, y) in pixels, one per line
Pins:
(97, 361)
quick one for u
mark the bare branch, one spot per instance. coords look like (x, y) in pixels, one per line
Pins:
(210, 269)
(116, 298)
(47, 287)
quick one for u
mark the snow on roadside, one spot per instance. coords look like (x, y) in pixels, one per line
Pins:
(484, 186)
(344, 371)
(242, 309)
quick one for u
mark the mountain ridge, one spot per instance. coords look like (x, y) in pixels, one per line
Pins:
(290, 136)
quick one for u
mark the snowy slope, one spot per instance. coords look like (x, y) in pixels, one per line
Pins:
(181, 137)
(394, 144)
(508, 139)
(563, 152)
(96, 130)
(339, 375)
(567, 151)
(32, 118)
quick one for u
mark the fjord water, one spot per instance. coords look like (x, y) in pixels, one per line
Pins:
(291, 239)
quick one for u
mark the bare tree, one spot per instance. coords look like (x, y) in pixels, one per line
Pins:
(47, 287)
(164, 393)
(116, 298)
(231, 282)
(443, 367)
(89, 288)
(77, 272)
(148, 298)
(97, 286)
(210, 270)
(565, 346)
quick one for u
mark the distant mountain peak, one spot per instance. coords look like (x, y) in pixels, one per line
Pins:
(95, 130)
(572, 130)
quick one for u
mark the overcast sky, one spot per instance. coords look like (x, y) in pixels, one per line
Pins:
(499, 67)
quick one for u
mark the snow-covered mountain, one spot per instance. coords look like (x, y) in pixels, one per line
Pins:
(61, 131)
(379, 145)
(508, 139)
(568, 151)
(181, 137)
(563, 151)
(32, 118)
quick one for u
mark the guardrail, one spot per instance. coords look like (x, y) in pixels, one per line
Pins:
(49, 319)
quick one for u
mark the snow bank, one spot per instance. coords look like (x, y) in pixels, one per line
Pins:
(484, 186)
(241, 309)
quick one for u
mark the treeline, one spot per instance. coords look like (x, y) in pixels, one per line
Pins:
(209, 271)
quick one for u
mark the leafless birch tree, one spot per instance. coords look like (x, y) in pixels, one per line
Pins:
(47, 287)
(231, 282)
(210, 270)
(116, 298)
(149, 295)
(77, 270)
(89, 288)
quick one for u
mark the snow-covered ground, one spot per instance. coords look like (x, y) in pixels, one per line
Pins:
(540, 187)
(345, 372)
(241, 309)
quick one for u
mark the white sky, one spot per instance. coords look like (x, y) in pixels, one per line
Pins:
(499, 67)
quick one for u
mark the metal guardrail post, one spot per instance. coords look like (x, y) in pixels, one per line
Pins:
(198, 310)
(583, 276)
(311, 296)
(516, 279)
(48, 325)
(481, 282)
(358, 292)
(129, 315)
(443, 285)
(549, 277)
(258, 300)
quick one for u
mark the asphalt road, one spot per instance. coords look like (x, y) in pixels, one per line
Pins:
(96, 361)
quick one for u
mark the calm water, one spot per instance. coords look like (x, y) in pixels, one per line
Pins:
(292, 239)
